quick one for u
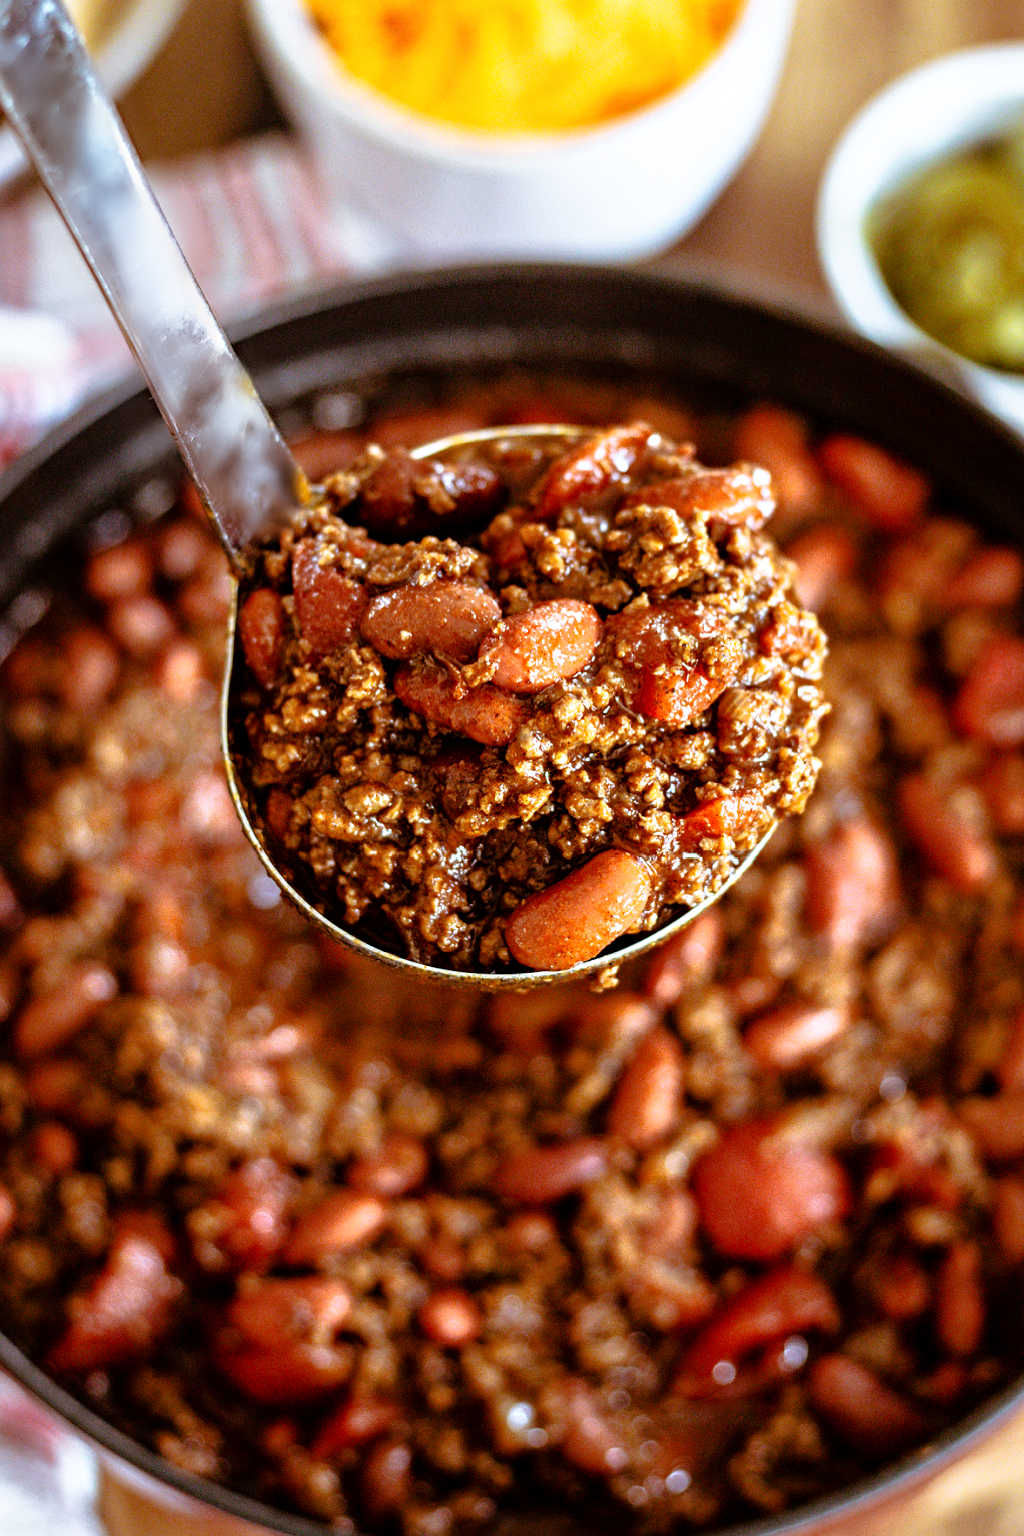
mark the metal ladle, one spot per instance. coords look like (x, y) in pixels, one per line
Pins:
(247, 477)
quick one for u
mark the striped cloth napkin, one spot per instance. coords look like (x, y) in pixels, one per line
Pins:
(252, 222)
(253, 225)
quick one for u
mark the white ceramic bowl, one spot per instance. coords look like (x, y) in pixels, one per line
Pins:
(948, 104)
(617, 191)
(129, 45)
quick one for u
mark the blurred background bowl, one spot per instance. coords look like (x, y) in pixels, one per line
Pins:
(620, 190)
(950, 104)
(123, 47)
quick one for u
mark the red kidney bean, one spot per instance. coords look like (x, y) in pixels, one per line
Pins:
(182, 547)
(648, 1100)
(274, 1312)
(577, 917)
(357, 1421)
(261, 630)
(280, 1345)
(731, 816)
(405, 497)
(758, 1193)
(777, 438)
(741, 495)
(141, 625)
(997, 1124)
(862, 1409)
(1008, 1217)
(250, 1217)
(451, 1318)
(55, 1147)
(595, 466)
(485, 714)
(791, 1034)
(902, 1288)
(767, 1310)
(886, 492)
(852, 883)
(992, 577)
(960, 1300)
(1002, 784)
(342, 1220)
(539, 1175)
(8, 1213)
(127, 1307)
(546, 644)
(50, 1019)
(399, 1165)
(685, 960)
(990, 703)
(447, 618)
(677, 698)
(955, 848)
(329, 605)
(180, 670)
(618, 1018)
(590, 1442)
(91, 668)
(824, 556)
(655, 642)
(121, 570)
(386, 1478)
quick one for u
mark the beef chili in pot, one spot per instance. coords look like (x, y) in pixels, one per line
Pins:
(705, 1246)
(520, 740)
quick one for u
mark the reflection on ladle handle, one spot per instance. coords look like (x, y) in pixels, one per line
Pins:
(76, 140)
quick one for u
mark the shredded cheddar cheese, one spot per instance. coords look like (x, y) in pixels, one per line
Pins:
(524, 66)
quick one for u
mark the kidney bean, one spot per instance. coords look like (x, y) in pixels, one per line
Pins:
(276, 1311)
(997, 1124)
(990, 703)
(767, 1310)
(955, 848)
(386, 1478)
(485, 714)
(862, 1409)
(852, 883)
(824, 556)
(530, 1232)
(300, 1372)
(279, 1344)
(539, 1175)
(179, 671)
(1008, 1217)
(55, 1147)
(1002, 784)
(8, 1213)
(249, 1217)
(451, 1318)
(320, 454)
(740, 495)
(676, 698)
(593, 467)
(789, 1035)
(141, 625)
(50, 1019)
(758, 1194)
(889, 494)
(590, 1440)
(685, 960)
(329, 605)
(448, 618)
(91, 668)
(577, 917)
(261, 631)
(648, 1100)
(902, 1289)
(546, 644)
(121, 570)
(357, 1421)
(399, 1165)
(992, 577)
(777, 438)
(344, 1219)
(127, 1307)
(182, 547)
(960, 1300)
(731, 816)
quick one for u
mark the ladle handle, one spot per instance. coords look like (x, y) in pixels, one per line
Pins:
(72, 133)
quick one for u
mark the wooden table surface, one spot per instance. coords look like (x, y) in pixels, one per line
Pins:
(759, 235)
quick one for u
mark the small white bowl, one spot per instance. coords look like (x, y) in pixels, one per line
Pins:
(946, 105)
(129, 45)
(613, 192)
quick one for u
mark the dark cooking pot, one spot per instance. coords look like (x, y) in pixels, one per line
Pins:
(694, 340)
